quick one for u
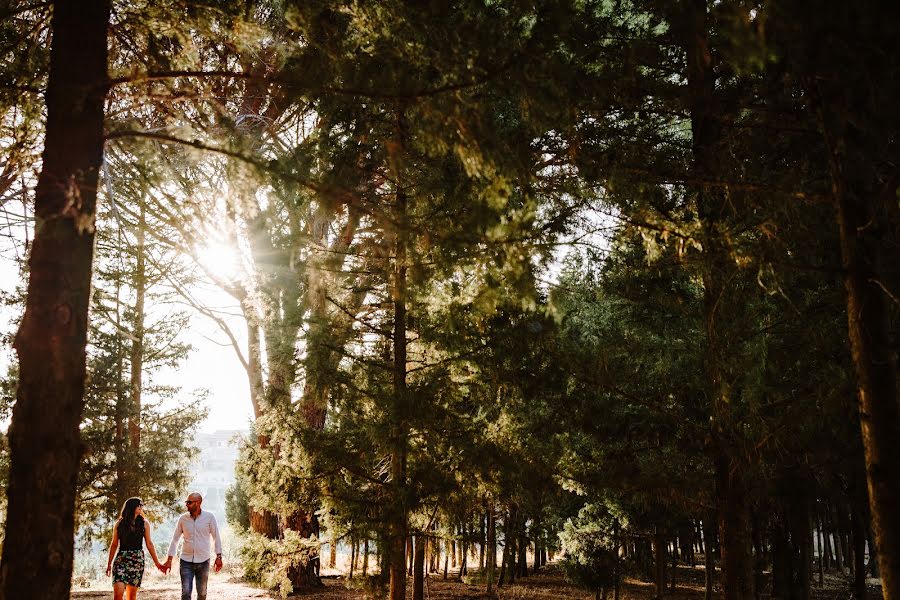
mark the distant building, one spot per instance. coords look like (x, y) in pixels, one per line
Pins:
(213, 470)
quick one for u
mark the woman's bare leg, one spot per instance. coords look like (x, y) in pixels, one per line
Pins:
(131, 592)
(118, 590)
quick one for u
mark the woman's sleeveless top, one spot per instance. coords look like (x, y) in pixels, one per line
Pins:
(131, 538)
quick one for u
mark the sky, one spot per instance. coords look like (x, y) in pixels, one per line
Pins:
(212, 365)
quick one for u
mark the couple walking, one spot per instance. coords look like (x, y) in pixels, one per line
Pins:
(132, 529)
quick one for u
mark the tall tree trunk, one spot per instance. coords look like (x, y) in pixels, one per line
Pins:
(759, 561)
(332, 551)
(873, 552)
(262, 522)
(820, 542)
(522, 570)
(712, 207)
(467, 547)
(419, 567)
(44, 439)
(874, 360)
(617, 565)
(449, 552)
(482, 522)
(491, 554)
(708, 559)
(354, 545)
(365, 563)
(120, 452)
(858, 535)
(659, 562)
(782, 572)
(137, 356)
(800, 530)
(398, 435)
(853, 102)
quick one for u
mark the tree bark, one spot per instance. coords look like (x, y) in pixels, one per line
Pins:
(858, 534)
(853, 95)
(659, 562)
(708, 559)
(365, 562)
(44, 438)
(419, 567)
(491, 558)
(874, 360)
(137, 358)
(398, 437)
(712, 207)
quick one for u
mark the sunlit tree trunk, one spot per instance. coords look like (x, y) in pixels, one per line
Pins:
(120, 452)
(865, 253)
(137, 357)
(44, 439)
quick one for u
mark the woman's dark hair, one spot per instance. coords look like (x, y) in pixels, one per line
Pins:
(126, 518)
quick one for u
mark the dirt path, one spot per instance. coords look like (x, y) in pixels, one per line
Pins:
(549, 584)
(219, 588)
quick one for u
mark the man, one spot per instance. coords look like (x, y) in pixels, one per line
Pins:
(196, 526)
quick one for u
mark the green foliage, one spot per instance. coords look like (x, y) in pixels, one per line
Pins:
(268, 562)
(237, 512)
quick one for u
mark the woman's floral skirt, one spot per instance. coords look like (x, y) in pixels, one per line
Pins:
(129, 567)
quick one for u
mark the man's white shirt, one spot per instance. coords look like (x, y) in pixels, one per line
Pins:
(196, 534)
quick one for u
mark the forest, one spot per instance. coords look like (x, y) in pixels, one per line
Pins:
(591, 287)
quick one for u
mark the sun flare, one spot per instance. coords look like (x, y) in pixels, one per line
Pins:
(221, 260)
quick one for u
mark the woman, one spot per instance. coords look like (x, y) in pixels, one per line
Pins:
(128, 535)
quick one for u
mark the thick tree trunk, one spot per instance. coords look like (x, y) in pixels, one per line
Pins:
(306, 574)
(875, 361)
(522, 568)
(853, 100)
(717, 268)
(419, 567)
(782, 571)
(659, 562)
(264, 523)
(44, 438)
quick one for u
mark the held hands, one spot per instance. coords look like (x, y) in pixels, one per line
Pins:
(166, 566)
(163, 567)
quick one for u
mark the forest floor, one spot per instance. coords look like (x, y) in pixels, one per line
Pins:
(548, 584)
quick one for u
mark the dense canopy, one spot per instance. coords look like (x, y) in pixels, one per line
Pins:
(611, 279)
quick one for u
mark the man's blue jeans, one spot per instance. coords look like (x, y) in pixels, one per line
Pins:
(191, 571)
